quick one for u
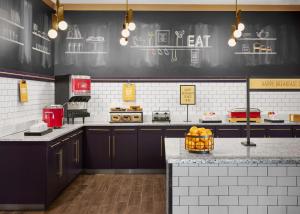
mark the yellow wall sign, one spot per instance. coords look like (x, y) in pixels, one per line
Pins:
(187, 94)
(23, 91)
(128, 92)
(274, 84)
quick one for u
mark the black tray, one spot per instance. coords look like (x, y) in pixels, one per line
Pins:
(210, 121)
(273, 121)
(38, 133)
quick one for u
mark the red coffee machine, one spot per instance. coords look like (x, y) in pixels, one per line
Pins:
(53, 115)
(73, 92)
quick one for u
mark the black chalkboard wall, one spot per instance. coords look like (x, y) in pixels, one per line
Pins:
(179, 45)
(24, 45)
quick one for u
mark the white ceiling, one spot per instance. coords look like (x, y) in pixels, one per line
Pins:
(209, 2)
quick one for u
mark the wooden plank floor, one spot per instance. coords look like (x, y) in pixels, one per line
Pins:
(110, 194)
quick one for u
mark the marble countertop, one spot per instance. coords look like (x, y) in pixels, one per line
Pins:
(230, 151)
(67, 128)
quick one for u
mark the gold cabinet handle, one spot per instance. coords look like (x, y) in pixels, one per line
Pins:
(55, 145)
(109, 146)
(99, 130)
(66, 139)
(124, 130)
(114, 147)
(150, 129)
(255, 129)
(280, 130)
(161, 146)
(176, 129)
(228, 129)
(76, 152)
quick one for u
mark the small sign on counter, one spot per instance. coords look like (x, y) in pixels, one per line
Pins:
(187, 94)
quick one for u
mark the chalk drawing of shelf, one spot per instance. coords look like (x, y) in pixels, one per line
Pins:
(12, 41)
(86, 52)
(257, 39)
(38, 35)
(74, 38)
(169, 47)
(11, 22)
(41, 51)
(255, 53)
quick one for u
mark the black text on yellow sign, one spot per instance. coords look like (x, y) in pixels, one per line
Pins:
(187, 94)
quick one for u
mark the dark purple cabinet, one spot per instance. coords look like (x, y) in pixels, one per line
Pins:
(176, 131)
(228, 131)
(151, 154)
(255, 131)
(124, 148)
(97, 148)
(280, 131)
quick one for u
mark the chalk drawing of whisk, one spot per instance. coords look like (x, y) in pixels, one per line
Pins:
(179, 35)
(151, 36)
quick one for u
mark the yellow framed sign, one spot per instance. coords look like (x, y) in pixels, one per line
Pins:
(274, 84)
(129, 92)
(187, 94)
(23, 91)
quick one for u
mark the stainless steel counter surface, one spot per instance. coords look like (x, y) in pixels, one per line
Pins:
(230, 151)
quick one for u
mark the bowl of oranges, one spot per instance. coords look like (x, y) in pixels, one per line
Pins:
(199, 140)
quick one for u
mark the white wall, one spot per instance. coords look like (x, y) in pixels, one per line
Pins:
(13, 113)
(217, 97)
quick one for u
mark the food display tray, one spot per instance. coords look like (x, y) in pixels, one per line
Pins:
(38, 133)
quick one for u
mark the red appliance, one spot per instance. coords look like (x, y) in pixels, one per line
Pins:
(242, 113)
(53, 115)
(80, 86)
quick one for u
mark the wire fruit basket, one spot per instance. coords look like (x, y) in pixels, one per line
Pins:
(199, 144)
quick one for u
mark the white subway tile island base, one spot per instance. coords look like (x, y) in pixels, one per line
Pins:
(234, 179)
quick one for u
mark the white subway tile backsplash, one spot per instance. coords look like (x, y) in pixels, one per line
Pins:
(293, 210)
(237, 210)
(217, 97)
(13, 113)
(208, 200)
(286, 181)
(257, 210)
(276, 209)
(287, 200)
(218, 210)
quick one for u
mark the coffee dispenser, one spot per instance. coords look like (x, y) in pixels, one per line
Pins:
(73, 92)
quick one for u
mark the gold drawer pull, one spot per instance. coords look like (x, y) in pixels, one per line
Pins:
(124, 130)
(176, 129)
(150, 129)
(55, 145)
(228, 129)
(255, 129)
(280, 130)
(66, 139)
(99, 130)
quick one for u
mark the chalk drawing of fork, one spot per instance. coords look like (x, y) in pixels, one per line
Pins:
(179, 35)
(174, 56)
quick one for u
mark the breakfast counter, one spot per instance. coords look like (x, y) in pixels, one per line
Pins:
(67, 128)
(234, 178)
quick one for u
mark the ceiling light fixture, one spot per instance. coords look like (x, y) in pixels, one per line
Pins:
(236, 31)
(128, 25)
(58, 21)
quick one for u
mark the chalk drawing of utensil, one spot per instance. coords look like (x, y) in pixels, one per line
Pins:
(160, 52)
(174, 56)
(262, 34)
(151, 36)
(166, 52)
(179, 35)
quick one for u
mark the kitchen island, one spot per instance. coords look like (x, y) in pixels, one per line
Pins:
(234, 179)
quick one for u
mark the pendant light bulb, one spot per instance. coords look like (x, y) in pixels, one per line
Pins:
(52, 33)
(123, 41)
(131, 26)
(63, 25)
(241, 27)
(237, 33)
(231, 42)
(125, 32)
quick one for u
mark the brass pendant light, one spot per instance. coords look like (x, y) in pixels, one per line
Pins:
(237, 28)
(128, 26)
(58, 21)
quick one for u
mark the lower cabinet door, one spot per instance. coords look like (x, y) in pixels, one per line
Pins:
(228, 131)
(176, 132)
(280, 131)
(124, 148)
(55, 170)
(255, 131)
(97, 149)
(151, 153)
